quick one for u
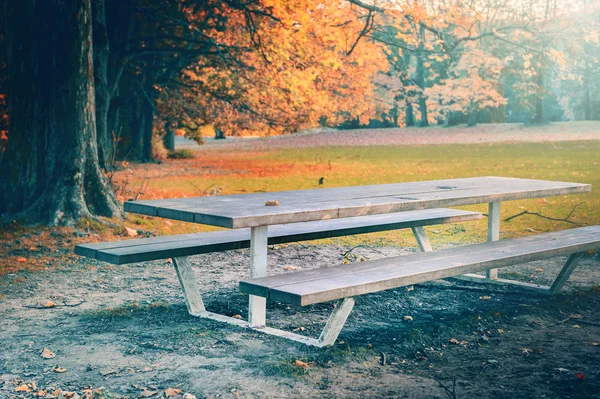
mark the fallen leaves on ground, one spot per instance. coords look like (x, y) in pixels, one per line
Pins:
(146, 393)
(131, 232)
(301, 365)
(172, 392)
(47, 354)
(23, 388)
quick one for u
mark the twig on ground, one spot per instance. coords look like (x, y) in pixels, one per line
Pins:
(579, 321)
(64, 305)
(450, 393)
(197, 188)
(566, 219)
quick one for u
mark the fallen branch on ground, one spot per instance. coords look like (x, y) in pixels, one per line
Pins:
(64, 305)
(546, 217)
(578, 321)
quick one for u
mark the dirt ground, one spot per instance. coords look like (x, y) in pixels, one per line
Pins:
(133, 336)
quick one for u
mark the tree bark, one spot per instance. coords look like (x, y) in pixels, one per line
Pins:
(169, 139)
(148, 115)
(538, 117)
(50, 173)
(420, 79)
(587, 103)
(410, 116)
(472, 117)
(101, 56)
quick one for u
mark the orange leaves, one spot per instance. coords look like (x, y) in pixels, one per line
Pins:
(300, 75)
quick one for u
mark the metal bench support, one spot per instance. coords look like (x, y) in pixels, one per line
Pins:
(195, 306)
(493, 233)
(559, 282)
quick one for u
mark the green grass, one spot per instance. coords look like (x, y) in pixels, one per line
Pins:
(291, 169)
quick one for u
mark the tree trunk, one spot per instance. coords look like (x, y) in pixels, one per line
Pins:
(148, 116)
(472, 117)
(136, 127)
(50, 173)
(420, 79)
(410, 115)
(169, 139)
(587, 103)
(538, 117)
(101, 55)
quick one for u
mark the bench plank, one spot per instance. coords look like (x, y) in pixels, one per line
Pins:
(314, 286)
(129, 251)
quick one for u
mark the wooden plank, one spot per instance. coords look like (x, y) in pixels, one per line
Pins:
(128, 251)
(361, 278)
(238, 211)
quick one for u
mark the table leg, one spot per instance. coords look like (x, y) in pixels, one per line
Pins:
(493, 232)
(258, 268)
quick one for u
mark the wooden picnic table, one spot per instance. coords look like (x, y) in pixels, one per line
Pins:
(250, 210)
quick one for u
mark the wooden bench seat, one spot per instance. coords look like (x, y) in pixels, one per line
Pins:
(348, 281)
(146, 249)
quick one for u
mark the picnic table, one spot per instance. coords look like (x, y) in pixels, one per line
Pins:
(258, 211)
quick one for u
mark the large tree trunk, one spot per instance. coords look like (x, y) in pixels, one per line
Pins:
(101, 55)
(50, 172)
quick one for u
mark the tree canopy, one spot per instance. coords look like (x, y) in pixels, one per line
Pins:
(149, 68)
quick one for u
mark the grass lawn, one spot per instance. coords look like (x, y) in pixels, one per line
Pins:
(291, 169)
(234, 172)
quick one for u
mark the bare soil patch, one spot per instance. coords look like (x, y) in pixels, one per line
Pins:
(133, 336)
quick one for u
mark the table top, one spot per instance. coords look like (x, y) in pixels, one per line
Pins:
(249, 210)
